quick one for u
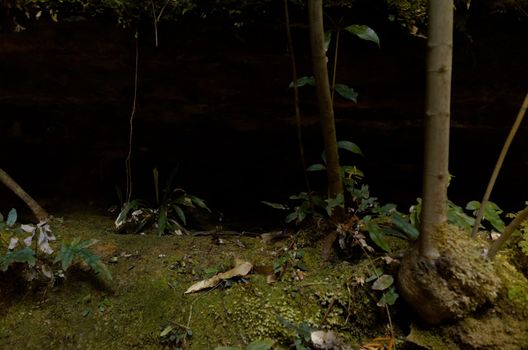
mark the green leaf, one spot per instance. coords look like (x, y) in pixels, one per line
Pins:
(338, 201)
(415, 212)
(401, 223)
(95, 263)
(264, 344)
(291, 217)
(327, 39)
(386, 209)
(25, 255)
(227, 348)
(65, 255)
(316, 167)
(388, 298)
(363, 32)
(351, 171)
(473, 205)
(1, 218)
(180, 213)
(302, 195)
(349, 146)
(162, 220)
(491, 214)
(302, 81)
(11, 217)
(383, 282)
(346, 92)
(457, 217)
(375, 274)
(199, 202)
(275, 205)
(376, 235)
(77, 250)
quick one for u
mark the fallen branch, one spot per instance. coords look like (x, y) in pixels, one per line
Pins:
(37, 210)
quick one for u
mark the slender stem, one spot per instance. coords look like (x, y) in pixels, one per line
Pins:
(155, 18)
(296, 104)
(161, 11)
(334, 73)
(497, 245)
(498, 165)
(128, 161)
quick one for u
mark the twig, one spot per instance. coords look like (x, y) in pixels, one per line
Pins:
(128, 161)
(498, 165)
(296, 104)
(155, 22)
(334, 73)
(519, 219)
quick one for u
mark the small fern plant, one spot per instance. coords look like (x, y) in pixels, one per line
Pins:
(77, 251)
(29, 245)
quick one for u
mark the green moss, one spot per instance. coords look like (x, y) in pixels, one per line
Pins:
(150, 276)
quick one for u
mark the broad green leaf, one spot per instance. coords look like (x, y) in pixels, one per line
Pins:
(291, 217)
(473, 205)
(386, 209)
(76, 250)
(376, 235)
(302, 195)
(375, 274)
(400, 222)
(363, 32)
(383, 282)
(350, 171)
(180, 213)
(319, 201)
(346, 92)
(227, 348)
(316, 167)
(261, 344)
(491, 214)
(86, 243)
(457, 217)
(199, 202)
(338, 201)
(162, 221)
(95, 263)
(327, 39)
(275, 205)
(65, 256)
(25, 255)
(349, 146)
(302, 81)
(11, 217)
(388, 298)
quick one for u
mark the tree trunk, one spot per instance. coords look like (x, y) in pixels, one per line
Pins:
(421, 278)
(324, 97)
(37, 210)
(438, 105)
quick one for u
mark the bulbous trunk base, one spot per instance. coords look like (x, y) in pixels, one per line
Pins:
(450, 287)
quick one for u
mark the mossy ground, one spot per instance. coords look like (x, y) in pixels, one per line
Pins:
(150, 275)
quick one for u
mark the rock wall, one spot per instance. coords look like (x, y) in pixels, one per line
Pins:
(213, 101)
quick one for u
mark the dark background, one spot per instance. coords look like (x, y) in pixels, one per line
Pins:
(213, 101)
